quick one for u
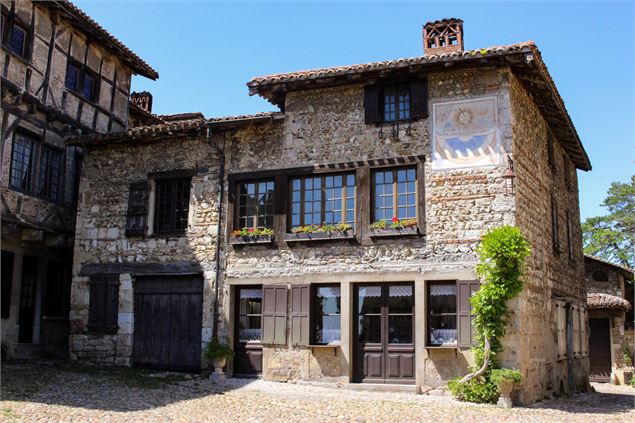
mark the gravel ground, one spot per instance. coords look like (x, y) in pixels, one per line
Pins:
(64, 393)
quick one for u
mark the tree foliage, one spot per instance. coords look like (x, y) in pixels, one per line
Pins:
(612, 236)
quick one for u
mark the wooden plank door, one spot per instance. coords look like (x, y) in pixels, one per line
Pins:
(384, 346)
(248, 331)
(600, 350)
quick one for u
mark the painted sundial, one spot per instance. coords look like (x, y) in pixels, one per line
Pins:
(465, 134)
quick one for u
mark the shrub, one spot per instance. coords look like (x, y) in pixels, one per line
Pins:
(499, 375)
(478, 390)
(215, 349)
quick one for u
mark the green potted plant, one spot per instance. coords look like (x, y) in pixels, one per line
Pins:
(505, 380)
(217, 353)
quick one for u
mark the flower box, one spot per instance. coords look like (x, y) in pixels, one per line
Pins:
(250, 239)
(390, 232)
(318, 236)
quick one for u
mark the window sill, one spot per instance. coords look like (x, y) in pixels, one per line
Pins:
(319, 236)
(82, 98)
(392, 232)
(177, 234)
(250, 240)
(443, 347)
(338, 345)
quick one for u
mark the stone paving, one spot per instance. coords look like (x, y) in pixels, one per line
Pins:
(63, 393)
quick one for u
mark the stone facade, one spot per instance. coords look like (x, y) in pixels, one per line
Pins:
(324, 128)
(38, 222)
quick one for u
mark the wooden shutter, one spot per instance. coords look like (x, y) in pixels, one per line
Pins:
(561, 330)
(583, 334)
(274, 314)
(300, 312)
(103, 308)
(137, 216)
(419, 98)
(555, 228)
(464, 316)
(371, 104)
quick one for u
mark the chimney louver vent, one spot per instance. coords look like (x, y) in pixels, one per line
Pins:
(443, 36)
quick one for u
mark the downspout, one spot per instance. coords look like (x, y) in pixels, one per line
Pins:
(219, 232)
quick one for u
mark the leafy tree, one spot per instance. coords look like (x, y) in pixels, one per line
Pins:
(612, 237)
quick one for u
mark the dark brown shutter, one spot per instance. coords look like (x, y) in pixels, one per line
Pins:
(103, 307)
(300, 312)
(137, 216)
(464, 317)
(274, 314)
(371, 104)
(419, 98)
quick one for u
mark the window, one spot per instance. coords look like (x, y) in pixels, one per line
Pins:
(550, 153)
(326, 321)
(18, 39)
(394, 194)
(23, 162)
(82, 81)
(25, 153)
(249, 314)
(396, 102)
(103, 305)
(50, 174)
(255, 204)
(555, 228)
(137, 216)
(561, 329)
(7, 282)
(325, 199)
(442, 308)
(172, 203)
(569, 236)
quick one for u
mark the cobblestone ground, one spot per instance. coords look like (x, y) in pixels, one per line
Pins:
(63, 393)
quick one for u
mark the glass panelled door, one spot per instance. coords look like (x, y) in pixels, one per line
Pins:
(248, 358)
(384, 347)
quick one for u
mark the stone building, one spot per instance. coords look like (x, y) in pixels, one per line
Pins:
(334, 240)
(609, 290)
(62, 75)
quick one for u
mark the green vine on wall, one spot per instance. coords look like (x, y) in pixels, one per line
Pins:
(502, 255)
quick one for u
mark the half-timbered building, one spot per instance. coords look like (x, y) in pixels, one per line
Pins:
(62, 75)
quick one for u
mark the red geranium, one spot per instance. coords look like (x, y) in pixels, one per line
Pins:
(250, 230)
(395, 220)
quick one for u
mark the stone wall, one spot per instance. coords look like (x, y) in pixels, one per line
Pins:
(549, 273)
(101, 241)
(325, 126)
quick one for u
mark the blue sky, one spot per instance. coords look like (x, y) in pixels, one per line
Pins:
(206, 51)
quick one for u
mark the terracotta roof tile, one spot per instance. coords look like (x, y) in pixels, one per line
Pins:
(83, 20)
(389, 64)
(181, 116)
(598, 301)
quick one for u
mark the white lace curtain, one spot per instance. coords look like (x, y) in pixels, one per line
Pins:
(400, 291)
(329, 292)
(445, 289)
(251, 293)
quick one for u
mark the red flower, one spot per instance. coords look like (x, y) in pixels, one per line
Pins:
(250, 230)
(395, 220)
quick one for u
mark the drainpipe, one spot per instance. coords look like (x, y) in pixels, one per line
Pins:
(219, 232)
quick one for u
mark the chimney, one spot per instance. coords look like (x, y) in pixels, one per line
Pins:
(444, 36)
(143, 100)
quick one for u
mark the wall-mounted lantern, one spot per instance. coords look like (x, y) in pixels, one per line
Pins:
(509, 176)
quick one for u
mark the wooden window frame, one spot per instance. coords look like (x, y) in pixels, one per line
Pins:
(173, 200)
(9, 21)
(397, 87)
(40, 175)
(315, 314)
(344, 197)
(428, 334)
(395, 194)
(137, 210)
(82, 71)
(237, 193)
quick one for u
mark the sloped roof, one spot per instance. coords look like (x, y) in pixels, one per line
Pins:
(523, 58)
(86, 24)
(627, 272)
(599, 301)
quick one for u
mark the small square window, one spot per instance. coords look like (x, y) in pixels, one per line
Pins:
(18, 40)
(72, 77)
(89, 87)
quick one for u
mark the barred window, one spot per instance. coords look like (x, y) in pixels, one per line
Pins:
(255, 204)
(395, 194)
(23, 162)
(172, 205)
(326, 199)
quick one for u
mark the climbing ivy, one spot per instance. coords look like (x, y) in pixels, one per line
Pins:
(502, 255)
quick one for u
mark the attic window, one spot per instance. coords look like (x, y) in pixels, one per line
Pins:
(396, 102)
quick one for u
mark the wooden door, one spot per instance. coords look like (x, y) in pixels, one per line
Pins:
(384, 346)
(248, 331)
(600, 350)
(168, 320)
(26, 310)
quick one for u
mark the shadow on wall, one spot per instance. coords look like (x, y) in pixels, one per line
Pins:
(448, 363)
